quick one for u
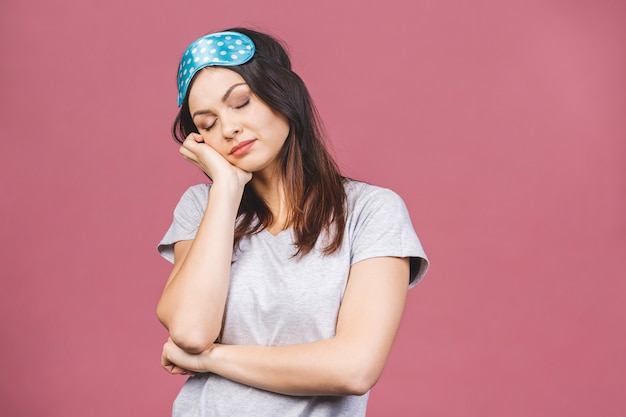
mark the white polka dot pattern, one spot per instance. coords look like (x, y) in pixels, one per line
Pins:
(222, 49)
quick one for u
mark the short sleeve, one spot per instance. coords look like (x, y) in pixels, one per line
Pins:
(380, 225)
(187, 216)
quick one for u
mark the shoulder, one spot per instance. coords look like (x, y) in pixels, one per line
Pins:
(192, 204)
(195, 197)
(187, 216)
(198, 191)
(363, 196)
(379, 224)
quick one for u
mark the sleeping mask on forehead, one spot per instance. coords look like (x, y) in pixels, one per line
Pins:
(225, 49)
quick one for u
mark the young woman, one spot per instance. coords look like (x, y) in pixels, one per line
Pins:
(289, 280)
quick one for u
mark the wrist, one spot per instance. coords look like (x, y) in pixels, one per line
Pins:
(209, 358)
(231, 187)
(225, 193)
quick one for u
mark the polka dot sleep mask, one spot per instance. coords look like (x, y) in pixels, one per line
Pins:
(224, 49)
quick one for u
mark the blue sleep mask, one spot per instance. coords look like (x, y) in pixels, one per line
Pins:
(224, 49)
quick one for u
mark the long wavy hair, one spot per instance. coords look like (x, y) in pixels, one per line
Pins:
(314, 186)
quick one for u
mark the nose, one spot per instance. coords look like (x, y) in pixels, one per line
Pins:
(230, 127)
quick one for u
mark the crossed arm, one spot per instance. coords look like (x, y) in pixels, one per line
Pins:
(350, 363)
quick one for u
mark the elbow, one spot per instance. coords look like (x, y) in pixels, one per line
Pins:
(160, 313)
(191, 341)
(359, 385)
(359, 377)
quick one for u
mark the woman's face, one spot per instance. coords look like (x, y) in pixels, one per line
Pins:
(235, 122)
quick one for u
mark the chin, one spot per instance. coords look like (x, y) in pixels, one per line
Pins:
(254, 165)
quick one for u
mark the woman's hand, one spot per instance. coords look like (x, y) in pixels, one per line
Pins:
(178, 362)
(202, 155)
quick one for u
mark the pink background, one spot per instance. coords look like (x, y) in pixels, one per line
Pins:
(501, 123)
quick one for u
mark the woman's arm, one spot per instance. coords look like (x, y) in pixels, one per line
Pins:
(348, 364)
(192, 304)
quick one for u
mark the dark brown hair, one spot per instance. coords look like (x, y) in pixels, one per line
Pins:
(314, 185)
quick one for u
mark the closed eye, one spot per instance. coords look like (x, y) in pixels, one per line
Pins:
(207, 128)
(244, 104)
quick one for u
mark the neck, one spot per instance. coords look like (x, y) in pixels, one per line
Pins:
(272, 190)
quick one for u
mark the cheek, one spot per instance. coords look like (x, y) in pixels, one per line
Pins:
(284, 129)
(207, 138)
(214, 142)
(279, 125)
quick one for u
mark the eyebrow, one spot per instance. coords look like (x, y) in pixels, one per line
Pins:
(224, 98)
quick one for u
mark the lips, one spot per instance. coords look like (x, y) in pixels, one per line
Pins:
(242, 148)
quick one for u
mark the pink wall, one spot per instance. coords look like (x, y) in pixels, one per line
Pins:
(501, 123)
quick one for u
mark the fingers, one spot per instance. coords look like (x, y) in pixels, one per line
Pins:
(189, 145)
(194, 138)
(209, 160)
(188, 154)
(196, 150)
(170, 366)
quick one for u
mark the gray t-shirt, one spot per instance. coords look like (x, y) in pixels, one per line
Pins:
(277, 299)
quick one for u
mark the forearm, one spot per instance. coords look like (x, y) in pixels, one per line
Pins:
(327, 367)
(192, 304)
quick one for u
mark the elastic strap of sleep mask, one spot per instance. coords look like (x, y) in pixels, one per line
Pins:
(224, 49)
